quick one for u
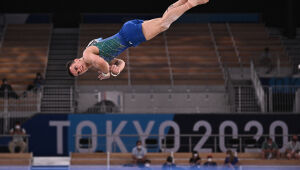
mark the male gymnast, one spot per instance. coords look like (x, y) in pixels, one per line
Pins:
(100, 54)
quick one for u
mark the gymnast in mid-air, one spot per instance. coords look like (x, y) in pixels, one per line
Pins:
(100, 54)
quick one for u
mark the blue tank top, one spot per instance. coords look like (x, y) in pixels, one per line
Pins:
(110, 47)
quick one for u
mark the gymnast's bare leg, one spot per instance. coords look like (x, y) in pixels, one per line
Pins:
(152, 28)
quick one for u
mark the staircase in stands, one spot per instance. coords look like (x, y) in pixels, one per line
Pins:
(58, 91)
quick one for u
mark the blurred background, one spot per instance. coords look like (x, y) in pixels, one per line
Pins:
(230, 65)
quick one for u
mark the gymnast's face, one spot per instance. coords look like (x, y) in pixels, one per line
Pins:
(78, 67)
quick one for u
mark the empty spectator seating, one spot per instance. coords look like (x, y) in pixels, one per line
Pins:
(193, 56)
(225, 45)
(190, 58)
(252, 39)
(24, 53)
(149, 63)
(186, 53)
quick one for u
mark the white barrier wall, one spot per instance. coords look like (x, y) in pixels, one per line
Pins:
(88, 100)
(205, 102)
(175, 103)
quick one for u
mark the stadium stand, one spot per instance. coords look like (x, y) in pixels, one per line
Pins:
(193, 56)
(293, 49)
(149, 63)
(252, 39)
(152, 62)
(186, 53)
(24, 53)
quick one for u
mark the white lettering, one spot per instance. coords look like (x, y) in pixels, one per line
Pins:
(162, 136)
(285, 132)
(204, 138)
(222, 127)
(257, 136)
(93, 136)
(143, 135)
(59, 134)
(114, 136)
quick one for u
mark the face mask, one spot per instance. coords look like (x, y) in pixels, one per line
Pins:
(147, 165)
(139, 147)
(18, 127)
(209, 159)
(195, 155)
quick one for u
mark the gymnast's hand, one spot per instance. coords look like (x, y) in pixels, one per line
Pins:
(115, 70)
(103, 76)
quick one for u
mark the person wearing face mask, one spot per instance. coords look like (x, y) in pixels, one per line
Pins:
(292, 149)
(210, 163)
(270, 149)
(231, 160)
(139, 154)
(17, 138)
(169, 164)
(195, 160)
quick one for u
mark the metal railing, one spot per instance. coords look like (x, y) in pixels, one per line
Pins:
(245, 99)
(229, 89)
(260, 94)
(19, 101)
(168, 58)
(128, 67)
(236, 50)
(59, 99)
(176, 142)
(213, 39)
(19, 106)
(283, 99)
